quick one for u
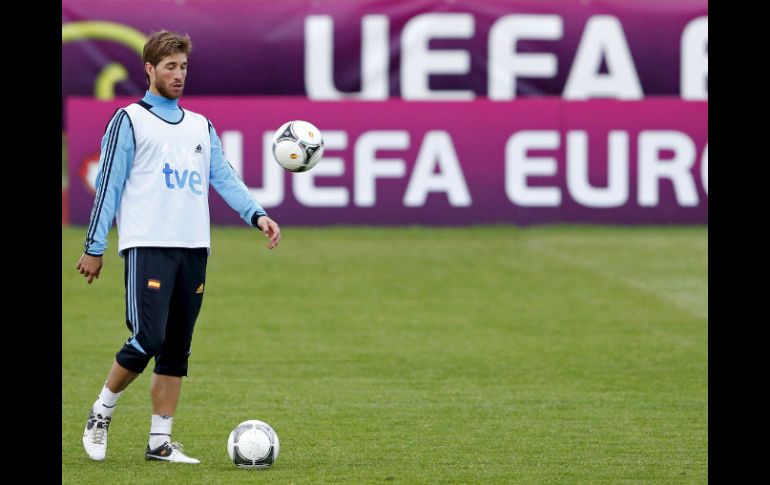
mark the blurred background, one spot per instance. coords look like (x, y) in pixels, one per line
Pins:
(466, 112)
(496, 274)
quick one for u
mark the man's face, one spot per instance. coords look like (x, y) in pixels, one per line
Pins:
(168, 77)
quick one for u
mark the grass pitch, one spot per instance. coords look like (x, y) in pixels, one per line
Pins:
(418, 355)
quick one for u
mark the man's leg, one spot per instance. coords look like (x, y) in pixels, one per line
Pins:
(119, 378)
(165, 392)
(149, 278)
(166, 384)
(171, 362)
(98, 422)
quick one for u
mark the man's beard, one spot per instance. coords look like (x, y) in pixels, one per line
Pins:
(163, 90)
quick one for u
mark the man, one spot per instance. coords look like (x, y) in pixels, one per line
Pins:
(157, 161)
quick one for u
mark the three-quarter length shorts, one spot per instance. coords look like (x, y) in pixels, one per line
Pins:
(164, 293)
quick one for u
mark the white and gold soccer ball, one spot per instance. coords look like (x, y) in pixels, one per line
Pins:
(253, 444)
(298, 146)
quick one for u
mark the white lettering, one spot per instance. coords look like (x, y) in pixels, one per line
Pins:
(418, 62)
(616, 192)
(368, 168)
(319, 58)
(695, 60)
(518, 166)
(603, 38)
(437, 150)
(506, 64)
(652, 168)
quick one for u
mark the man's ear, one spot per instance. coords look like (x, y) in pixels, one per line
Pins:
(148, 68)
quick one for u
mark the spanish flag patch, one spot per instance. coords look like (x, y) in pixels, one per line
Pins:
(154, 284)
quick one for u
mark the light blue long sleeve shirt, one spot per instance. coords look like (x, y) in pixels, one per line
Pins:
(118, 146)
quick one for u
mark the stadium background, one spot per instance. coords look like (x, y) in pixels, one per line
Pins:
(570, 136)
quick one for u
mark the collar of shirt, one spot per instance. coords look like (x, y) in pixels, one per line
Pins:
(168, 109)
(160, 101)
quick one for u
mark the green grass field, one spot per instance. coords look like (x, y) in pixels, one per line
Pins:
(418, 355)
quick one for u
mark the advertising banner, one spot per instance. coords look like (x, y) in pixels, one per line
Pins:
(434, 111)
(447, 163)
(420, 49)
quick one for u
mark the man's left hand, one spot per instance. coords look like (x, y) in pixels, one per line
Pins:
(270, 229)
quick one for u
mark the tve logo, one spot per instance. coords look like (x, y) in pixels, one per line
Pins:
(192, 179)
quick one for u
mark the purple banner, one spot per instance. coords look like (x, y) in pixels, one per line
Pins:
(448, 163)
(416, 50)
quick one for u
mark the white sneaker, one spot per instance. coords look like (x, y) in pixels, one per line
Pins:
(95, 436)
(169, 452)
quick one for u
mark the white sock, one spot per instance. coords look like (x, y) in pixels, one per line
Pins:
(160, 430)
(106, 402)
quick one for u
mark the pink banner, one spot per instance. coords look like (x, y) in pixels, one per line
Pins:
(395, 162)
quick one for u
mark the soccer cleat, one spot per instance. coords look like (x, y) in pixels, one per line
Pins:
(169, 452)
(95, 436)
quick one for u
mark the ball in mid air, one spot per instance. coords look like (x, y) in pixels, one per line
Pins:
(298, 146)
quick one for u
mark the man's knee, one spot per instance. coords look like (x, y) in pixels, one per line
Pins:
(136, 354)
(172, 365)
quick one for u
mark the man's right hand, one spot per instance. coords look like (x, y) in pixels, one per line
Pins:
(90, 266)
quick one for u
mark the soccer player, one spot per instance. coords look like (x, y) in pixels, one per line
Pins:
(157, 161)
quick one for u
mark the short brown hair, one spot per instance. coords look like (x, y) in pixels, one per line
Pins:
(162, 44)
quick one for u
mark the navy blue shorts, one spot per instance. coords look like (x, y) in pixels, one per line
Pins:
(164, 293)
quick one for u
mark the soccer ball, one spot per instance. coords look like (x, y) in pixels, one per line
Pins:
(253, 444)
(298, 146)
